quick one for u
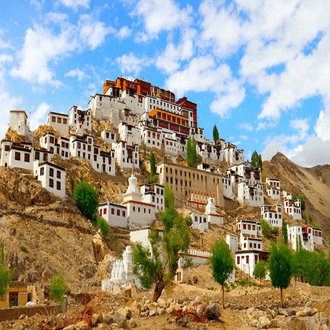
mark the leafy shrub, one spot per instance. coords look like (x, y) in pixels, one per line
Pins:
(86, 198)
(24, 249)
(104, 226)
(58, 287)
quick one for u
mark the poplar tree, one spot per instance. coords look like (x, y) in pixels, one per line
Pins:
(280, 266)
(215, 133)
(222, 264)
(284, 233)
(189, 152)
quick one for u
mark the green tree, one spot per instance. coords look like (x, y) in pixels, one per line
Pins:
(266, 228)
(169, 196)
(280, 266)
(159, 265)
(103, 226)
(5, 274)
(215, 134)
(302, 201)
(152, 164)
(311, 219)
(284, 233)
(191, 153)
(260, 270)
(222, 264)
(256, 160)
(87, 199)
(58, 287)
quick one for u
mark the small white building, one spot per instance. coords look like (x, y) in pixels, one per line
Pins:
(152, 137)
(109, 137)
(250, 194)
(130, 134)
(307, 235)
(59, 121)
(275, 183)
(232, 241)
(126, 156)
(114, 214)
(19, 123)
(52, 177)
(293, 208)
(199, 221)
(250, 243)
(154, 194)
(138, 212)
(228, 182)
(249, 227)
(272, 214)
(246, 260)
(79, 119)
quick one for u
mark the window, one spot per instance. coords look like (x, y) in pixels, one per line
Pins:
(17, 156)
(124, 214)
(247, 259)
(51, 172)
(37, 155)
(105, 211)
(42, 171)
(51, 183)
(53, 119)
(27, 158)
(7, 147)
(112, 210)
(101, 213)
(59, 120)
(238, 260)
(118, 212)
(58, 174)
(58, 185)
(65, 121)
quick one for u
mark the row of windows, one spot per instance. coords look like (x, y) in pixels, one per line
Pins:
(254, 245)
(275, 216)
(26, 157)
(112, 211)
(59, 120)
(139, 210)
(173, 119)
(247, 259)
(51, 184)
(189, 174)
(107, 135)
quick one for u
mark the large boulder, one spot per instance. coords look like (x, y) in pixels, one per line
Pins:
(212, 312)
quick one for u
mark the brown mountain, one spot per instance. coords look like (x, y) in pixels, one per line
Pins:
(312, 183)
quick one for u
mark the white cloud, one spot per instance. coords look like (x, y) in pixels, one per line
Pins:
(322, 126)
(124, 32)
(40, 47)
(170, 59)
(93, 32)
(246, 126)
(4, 44)
(38, 117)
(75, 4)
(160, 15)
(243, 137)
(132, 64)
(77, 73)
(203, 74)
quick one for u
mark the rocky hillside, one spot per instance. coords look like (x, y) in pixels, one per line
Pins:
(312, 183)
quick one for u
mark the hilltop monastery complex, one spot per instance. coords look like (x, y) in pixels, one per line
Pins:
(146, 116)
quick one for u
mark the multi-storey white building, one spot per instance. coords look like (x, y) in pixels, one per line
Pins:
(114, 214)
(80, 119)
(232, 155)
(126, 156)
(293, 208)
(154, 194)
(248, 227)
(246, 260)
(272, 214)
(129, 134)
(306, 235)
(250, 194)
(109, 137)
(59, 121)
(52, 177)
(19, 123)
(273, 188)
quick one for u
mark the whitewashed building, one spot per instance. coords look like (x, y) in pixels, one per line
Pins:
(272, 214)
(79, 119)
(154, 194)
(232, 241)
(250, 194)
(138, 212)
(109, 137)
(246, 260)
(114, 214)
(126, 156)
(59, 121)
(293, 208)
(249, 227)
(130, 134)
(152, 137)
(52, 177)
(19, 123)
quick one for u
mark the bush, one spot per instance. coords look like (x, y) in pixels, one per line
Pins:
(104, 227)
(58, 287)
(153, 179)
(260, 270)
(87, 199)
(24, 249)
(267, 230)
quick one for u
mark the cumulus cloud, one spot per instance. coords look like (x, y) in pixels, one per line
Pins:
(77, 73)
(203, 74)
(39, 116)
(74, 4)
(160, 15)
(132, 64)
(124, 32)
(246, 126)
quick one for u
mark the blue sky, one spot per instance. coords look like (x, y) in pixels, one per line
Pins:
(257, 69)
